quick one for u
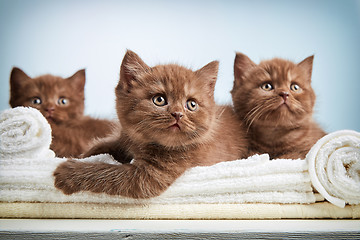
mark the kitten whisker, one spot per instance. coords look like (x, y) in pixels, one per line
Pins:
(259, 109)
(256, 116)
(189, 124)
(252, 112)
(298, 107)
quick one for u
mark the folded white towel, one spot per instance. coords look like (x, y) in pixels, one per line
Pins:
(252, 180)
(24, 133)
(255, 174)
(26, 173)
(334, 167)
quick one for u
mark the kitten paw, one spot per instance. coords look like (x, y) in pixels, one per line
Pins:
(65, 177)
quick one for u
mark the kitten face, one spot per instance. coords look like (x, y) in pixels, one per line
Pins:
(58, 99)
(275, 92)
(166, 104)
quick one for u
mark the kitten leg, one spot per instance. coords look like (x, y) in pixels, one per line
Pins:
(114, 146)
(137, 180)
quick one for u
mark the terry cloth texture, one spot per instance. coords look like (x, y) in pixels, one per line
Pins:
(252, 188)
(253, 180)
(24, 132)
(334, 167)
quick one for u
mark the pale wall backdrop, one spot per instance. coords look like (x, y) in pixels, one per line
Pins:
(61, 37)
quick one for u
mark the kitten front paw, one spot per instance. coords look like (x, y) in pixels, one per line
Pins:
(65, 177)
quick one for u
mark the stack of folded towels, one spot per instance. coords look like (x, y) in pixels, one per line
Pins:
(26, 172)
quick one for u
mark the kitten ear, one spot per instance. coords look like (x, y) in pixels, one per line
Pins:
(131, 66)
(78, 80)
(209, 72)
(17, 78)
(242, 64)
(307, 65)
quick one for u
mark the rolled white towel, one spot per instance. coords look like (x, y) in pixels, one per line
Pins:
(334, 167)
(24, 133)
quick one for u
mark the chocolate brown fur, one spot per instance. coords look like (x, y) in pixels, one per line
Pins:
(61, 101)
(278, 120)
(163, 140)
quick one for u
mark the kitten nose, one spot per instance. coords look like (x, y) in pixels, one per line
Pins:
(177, 115)
(50, 109)
(284, 95)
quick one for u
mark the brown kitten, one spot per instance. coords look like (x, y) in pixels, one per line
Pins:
(61, 101)
(170, 123)
(275, 100)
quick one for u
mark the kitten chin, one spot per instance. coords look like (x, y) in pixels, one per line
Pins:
(275, 100)
(170, 123)
(61, 101)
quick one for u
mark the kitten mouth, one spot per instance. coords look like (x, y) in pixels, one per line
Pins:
(50, 118)
(284, 104)
(174, 127)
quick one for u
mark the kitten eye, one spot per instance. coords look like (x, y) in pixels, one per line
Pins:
(159, 100)
(267, 87)
(295, 87)
(191, 105)
(63, 101)
(36, 101)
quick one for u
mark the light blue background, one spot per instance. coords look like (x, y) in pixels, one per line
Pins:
(61, 37)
